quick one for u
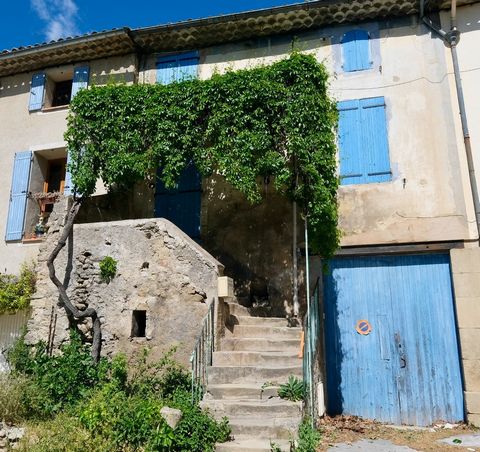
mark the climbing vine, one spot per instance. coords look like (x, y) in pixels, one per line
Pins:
(275, 122)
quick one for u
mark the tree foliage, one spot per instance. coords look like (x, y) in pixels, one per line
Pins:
(16, 291)
(274, 121)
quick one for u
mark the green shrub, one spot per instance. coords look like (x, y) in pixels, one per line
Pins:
(197, 430)
(129, 414)
(124, 420)
(161, 378)
(114, 404)
(16, 291)
(20, 398)
(308, 437)
(61, 379)
(108, 268)
(63, 433)
(293, 389)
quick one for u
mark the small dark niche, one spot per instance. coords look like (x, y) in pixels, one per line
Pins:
(139, 323)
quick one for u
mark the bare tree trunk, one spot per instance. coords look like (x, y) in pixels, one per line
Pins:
(71, 310)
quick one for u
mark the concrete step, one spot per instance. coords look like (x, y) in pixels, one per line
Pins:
(258, 311)
(247, 444)
(252, 391)
(271, 428)
(269, 408)
(254, 358)
(257, 374)
(260, 344)
(278, 332)
(237, 309)
(250, 320)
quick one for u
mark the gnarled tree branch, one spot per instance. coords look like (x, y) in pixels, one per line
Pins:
(70, 308)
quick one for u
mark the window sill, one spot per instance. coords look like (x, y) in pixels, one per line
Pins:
(33, 239)
(58, 108)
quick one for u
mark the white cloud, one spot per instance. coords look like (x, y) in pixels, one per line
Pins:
(59, 17)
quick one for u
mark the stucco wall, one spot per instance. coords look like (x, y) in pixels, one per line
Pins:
(159, 270)
(428, 199)
(37, 131)
(468, 23)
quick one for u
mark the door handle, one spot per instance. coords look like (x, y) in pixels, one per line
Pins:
(403, 362)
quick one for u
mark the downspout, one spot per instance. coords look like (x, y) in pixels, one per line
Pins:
(452, 38)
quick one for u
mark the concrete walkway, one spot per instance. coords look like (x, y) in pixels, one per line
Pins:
(463, 440)
(378, 445)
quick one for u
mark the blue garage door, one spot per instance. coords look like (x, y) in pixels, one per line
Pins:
(391, 339)
(182, 205)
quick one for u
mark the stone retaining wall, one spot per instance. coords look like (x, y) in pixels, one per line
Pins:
(160, 270)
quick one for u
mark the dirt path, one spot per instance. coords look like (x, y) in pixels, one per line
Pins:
(345, 429)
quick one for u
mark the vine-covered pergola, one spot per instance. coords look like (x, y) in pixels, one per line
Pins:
(275, 121)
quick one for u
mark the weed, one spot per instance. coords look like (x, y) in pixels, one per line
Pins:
(293, 389)
(108, 268)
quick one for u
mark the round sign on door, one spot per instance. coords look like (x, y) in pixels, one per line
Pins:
(363, 327)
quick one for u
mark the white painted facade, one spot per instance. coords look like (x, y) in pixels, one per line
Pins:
(39, 132)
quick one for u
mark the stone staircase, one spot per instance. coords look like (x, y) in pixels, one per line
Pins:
(260, 354)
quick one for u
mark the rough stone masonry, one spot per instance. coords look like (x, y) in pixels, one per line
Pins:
(161, 274)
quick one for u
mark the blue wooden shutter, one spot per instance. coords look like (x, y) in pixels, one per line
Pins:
(356, 51)
(375, 139)
(363, 141)
(350, 142)
(36, 91)
(80, 79)
(187, 66)
(166, 70)
(18, 196)
(175, 68)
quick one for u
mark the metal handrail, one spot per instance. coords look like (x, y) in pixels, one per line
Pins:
(202, 354)
(311, 329)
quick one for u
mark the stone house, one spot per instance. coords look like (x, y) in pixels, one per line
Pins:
(401, 299)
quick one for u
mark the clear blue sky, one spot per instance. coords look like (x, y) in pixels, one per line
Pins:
(25, 22)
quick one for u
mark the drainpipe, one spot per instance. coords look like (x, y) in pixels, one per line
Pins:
(452, 38)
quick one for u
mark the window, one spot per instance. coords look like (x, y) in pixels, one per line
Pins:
(56, 87)
(177, 67)
(356, 54)
(139, 323)
(363, 141)
(36, 179)
(62, 92)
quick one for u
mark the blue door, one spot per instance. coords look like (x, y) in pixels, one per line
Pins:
(182, 205)
(391, 340)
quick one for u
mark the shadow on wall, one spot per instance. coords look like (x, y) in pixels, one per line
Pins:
(334, 354)
(120, 205)
(254, 242)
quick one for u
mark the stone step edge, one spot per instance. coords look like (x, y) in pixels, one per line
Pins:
(246, 443)
(258, 367)
(291, 421)
(257, 317)
(273, 353)
(254, 402)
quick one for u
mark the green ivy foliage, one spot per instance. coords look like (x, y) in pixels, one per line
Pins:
(16, 291)
(274, 121)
